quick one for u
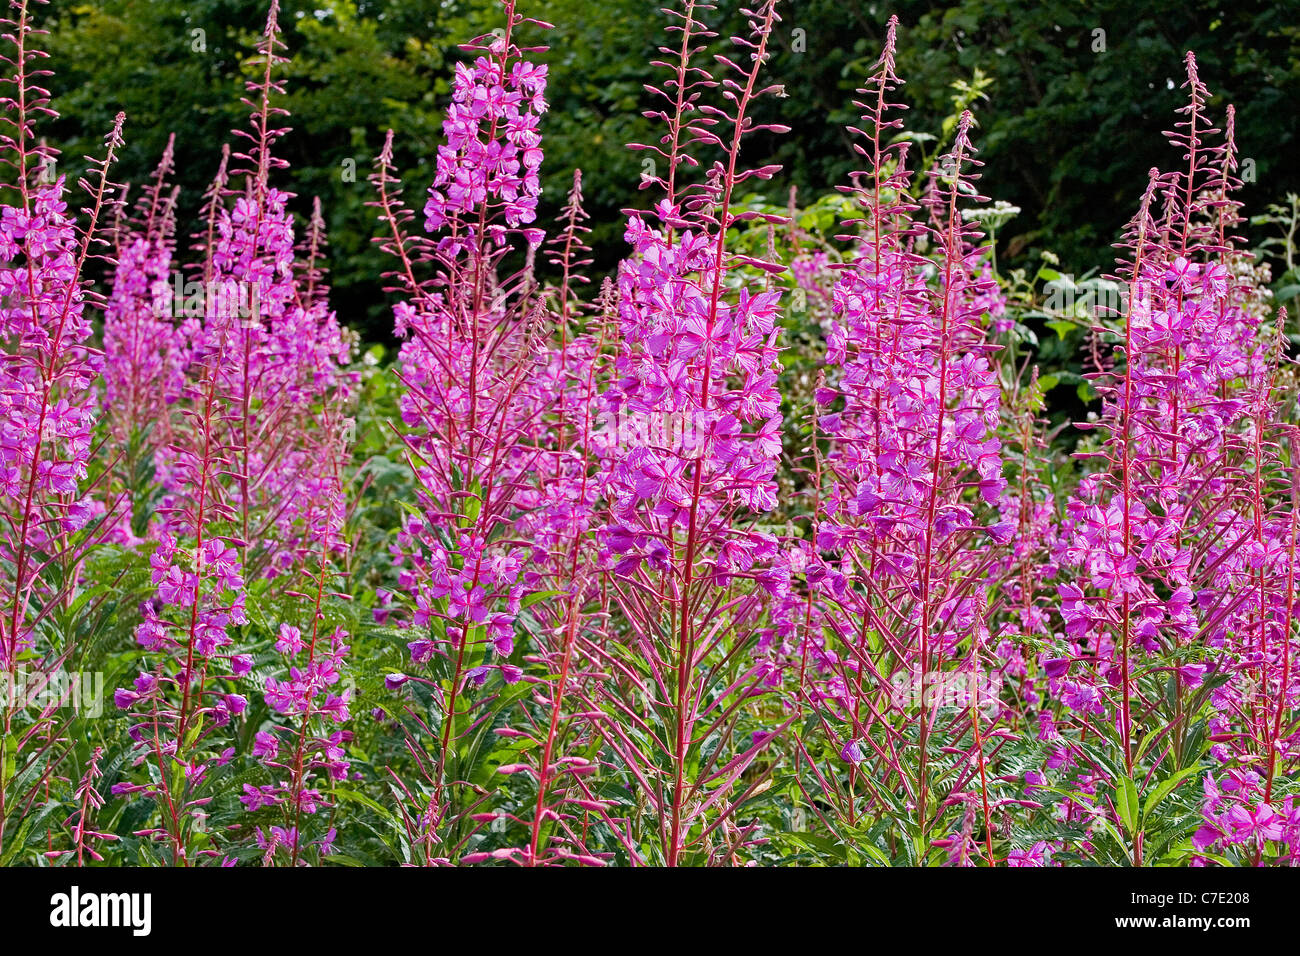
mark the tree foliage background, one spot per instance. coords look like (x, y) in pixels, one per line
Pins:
(1068, 125)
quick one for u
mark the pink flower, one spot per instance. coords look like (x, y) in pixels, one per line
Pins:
(289, 641)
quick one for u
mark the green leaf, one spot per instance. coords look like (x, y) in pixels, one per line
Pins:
(351, 796)
(1126, 804)
(536, 596)
(1164, 788)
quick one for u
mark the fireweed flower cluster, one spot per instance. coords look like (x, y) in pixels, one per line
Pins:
(559, 510)
(276, 349)
(493, 149)
(143, 362)
(144, 345)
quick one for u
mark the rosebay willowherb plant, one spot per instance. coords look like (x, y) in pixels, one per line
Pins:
(1177, 630)
(47, 410)
(757, 550)
(252, 481)
(898, 575)
(475, 406)
(696, 367)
